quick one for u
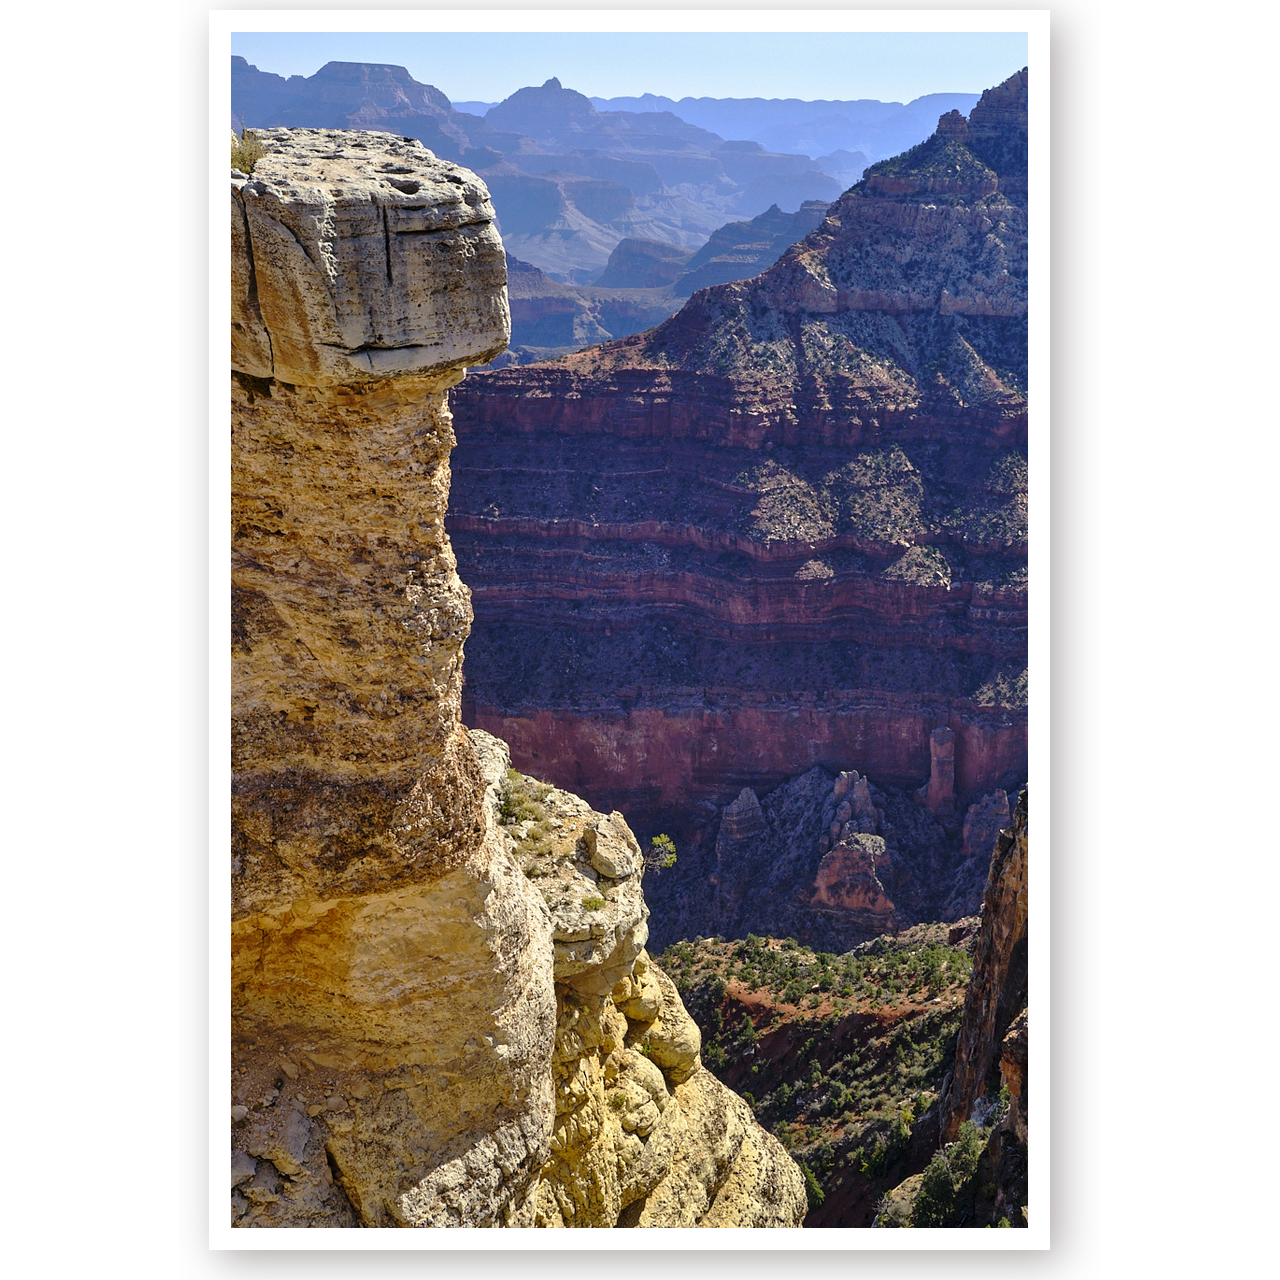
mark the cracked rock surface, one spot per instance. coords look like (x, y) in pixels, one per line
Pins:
(360, 255)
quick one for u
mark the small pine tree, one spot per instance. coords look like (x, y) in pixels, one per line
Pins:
(661, 853)
(812, 1188)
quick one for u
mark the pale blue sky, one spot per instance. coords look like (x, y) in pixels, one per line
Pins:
(489, 66)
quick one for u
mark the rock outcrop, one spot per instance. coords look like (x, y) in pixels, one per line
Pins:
(643, 1136)
(938, 795)
(404, 998)
(987, 817)
(997, 994)
(740, 821)
(831, 862)
(978, 1173)
(644, 264)
(740, 250)
(785, 527)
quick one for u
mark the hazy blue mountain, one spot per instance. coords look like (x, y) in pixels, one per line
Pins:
(878, 129)
(573, 177)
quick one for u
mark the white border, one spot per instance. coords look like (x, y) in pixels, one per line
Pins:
(221, 24)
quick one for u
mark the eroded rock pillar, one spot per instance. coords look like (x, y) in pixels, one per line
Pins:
(393, 1006)
(366, 275)
(938, 794)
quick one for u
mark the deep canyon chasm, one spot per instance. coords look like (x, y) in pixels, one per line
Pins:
(756, 575)
(439, 1017)
(785, 529)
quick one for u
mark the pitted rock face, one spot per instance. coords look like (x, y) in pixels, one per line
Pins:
(360, 255)
(422, 1021)
(366, 274)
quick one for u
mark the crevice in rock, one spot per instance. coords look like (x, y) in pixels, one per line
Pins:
(253, 280)
(630, 1216)
(253, 386)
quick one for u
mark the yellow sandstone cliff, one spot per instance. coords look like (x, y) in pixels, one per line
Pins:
(432, 1025)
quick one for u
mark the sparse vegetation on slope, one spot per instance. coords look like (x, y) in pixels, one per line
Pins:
(840, 1056)
(521, 809)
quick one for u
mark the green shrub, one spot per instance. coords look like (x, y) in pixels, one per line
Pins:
(812, 1188)
(246, 152)
(873, 1158)
(936, 1198)
(593, 903)
(901, 1133)
(948, 1187)
(516, 803)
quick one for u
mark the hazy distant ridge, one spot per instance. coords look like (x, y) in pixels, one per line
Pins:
(814, 128)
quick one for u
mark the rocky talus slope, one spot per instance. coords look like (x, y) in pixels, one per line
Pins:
(784, 528)
(430, 1025)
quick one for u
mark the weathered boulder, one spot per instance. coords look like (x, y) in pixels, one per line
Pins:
(358, 256)
(612, 848)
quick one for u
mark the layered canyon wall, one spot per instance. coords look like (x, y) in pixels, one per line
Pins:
(787, 527)
(426, 1030)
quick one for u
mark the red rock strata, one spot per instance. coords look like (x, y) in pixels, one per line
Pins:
(787, 526)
